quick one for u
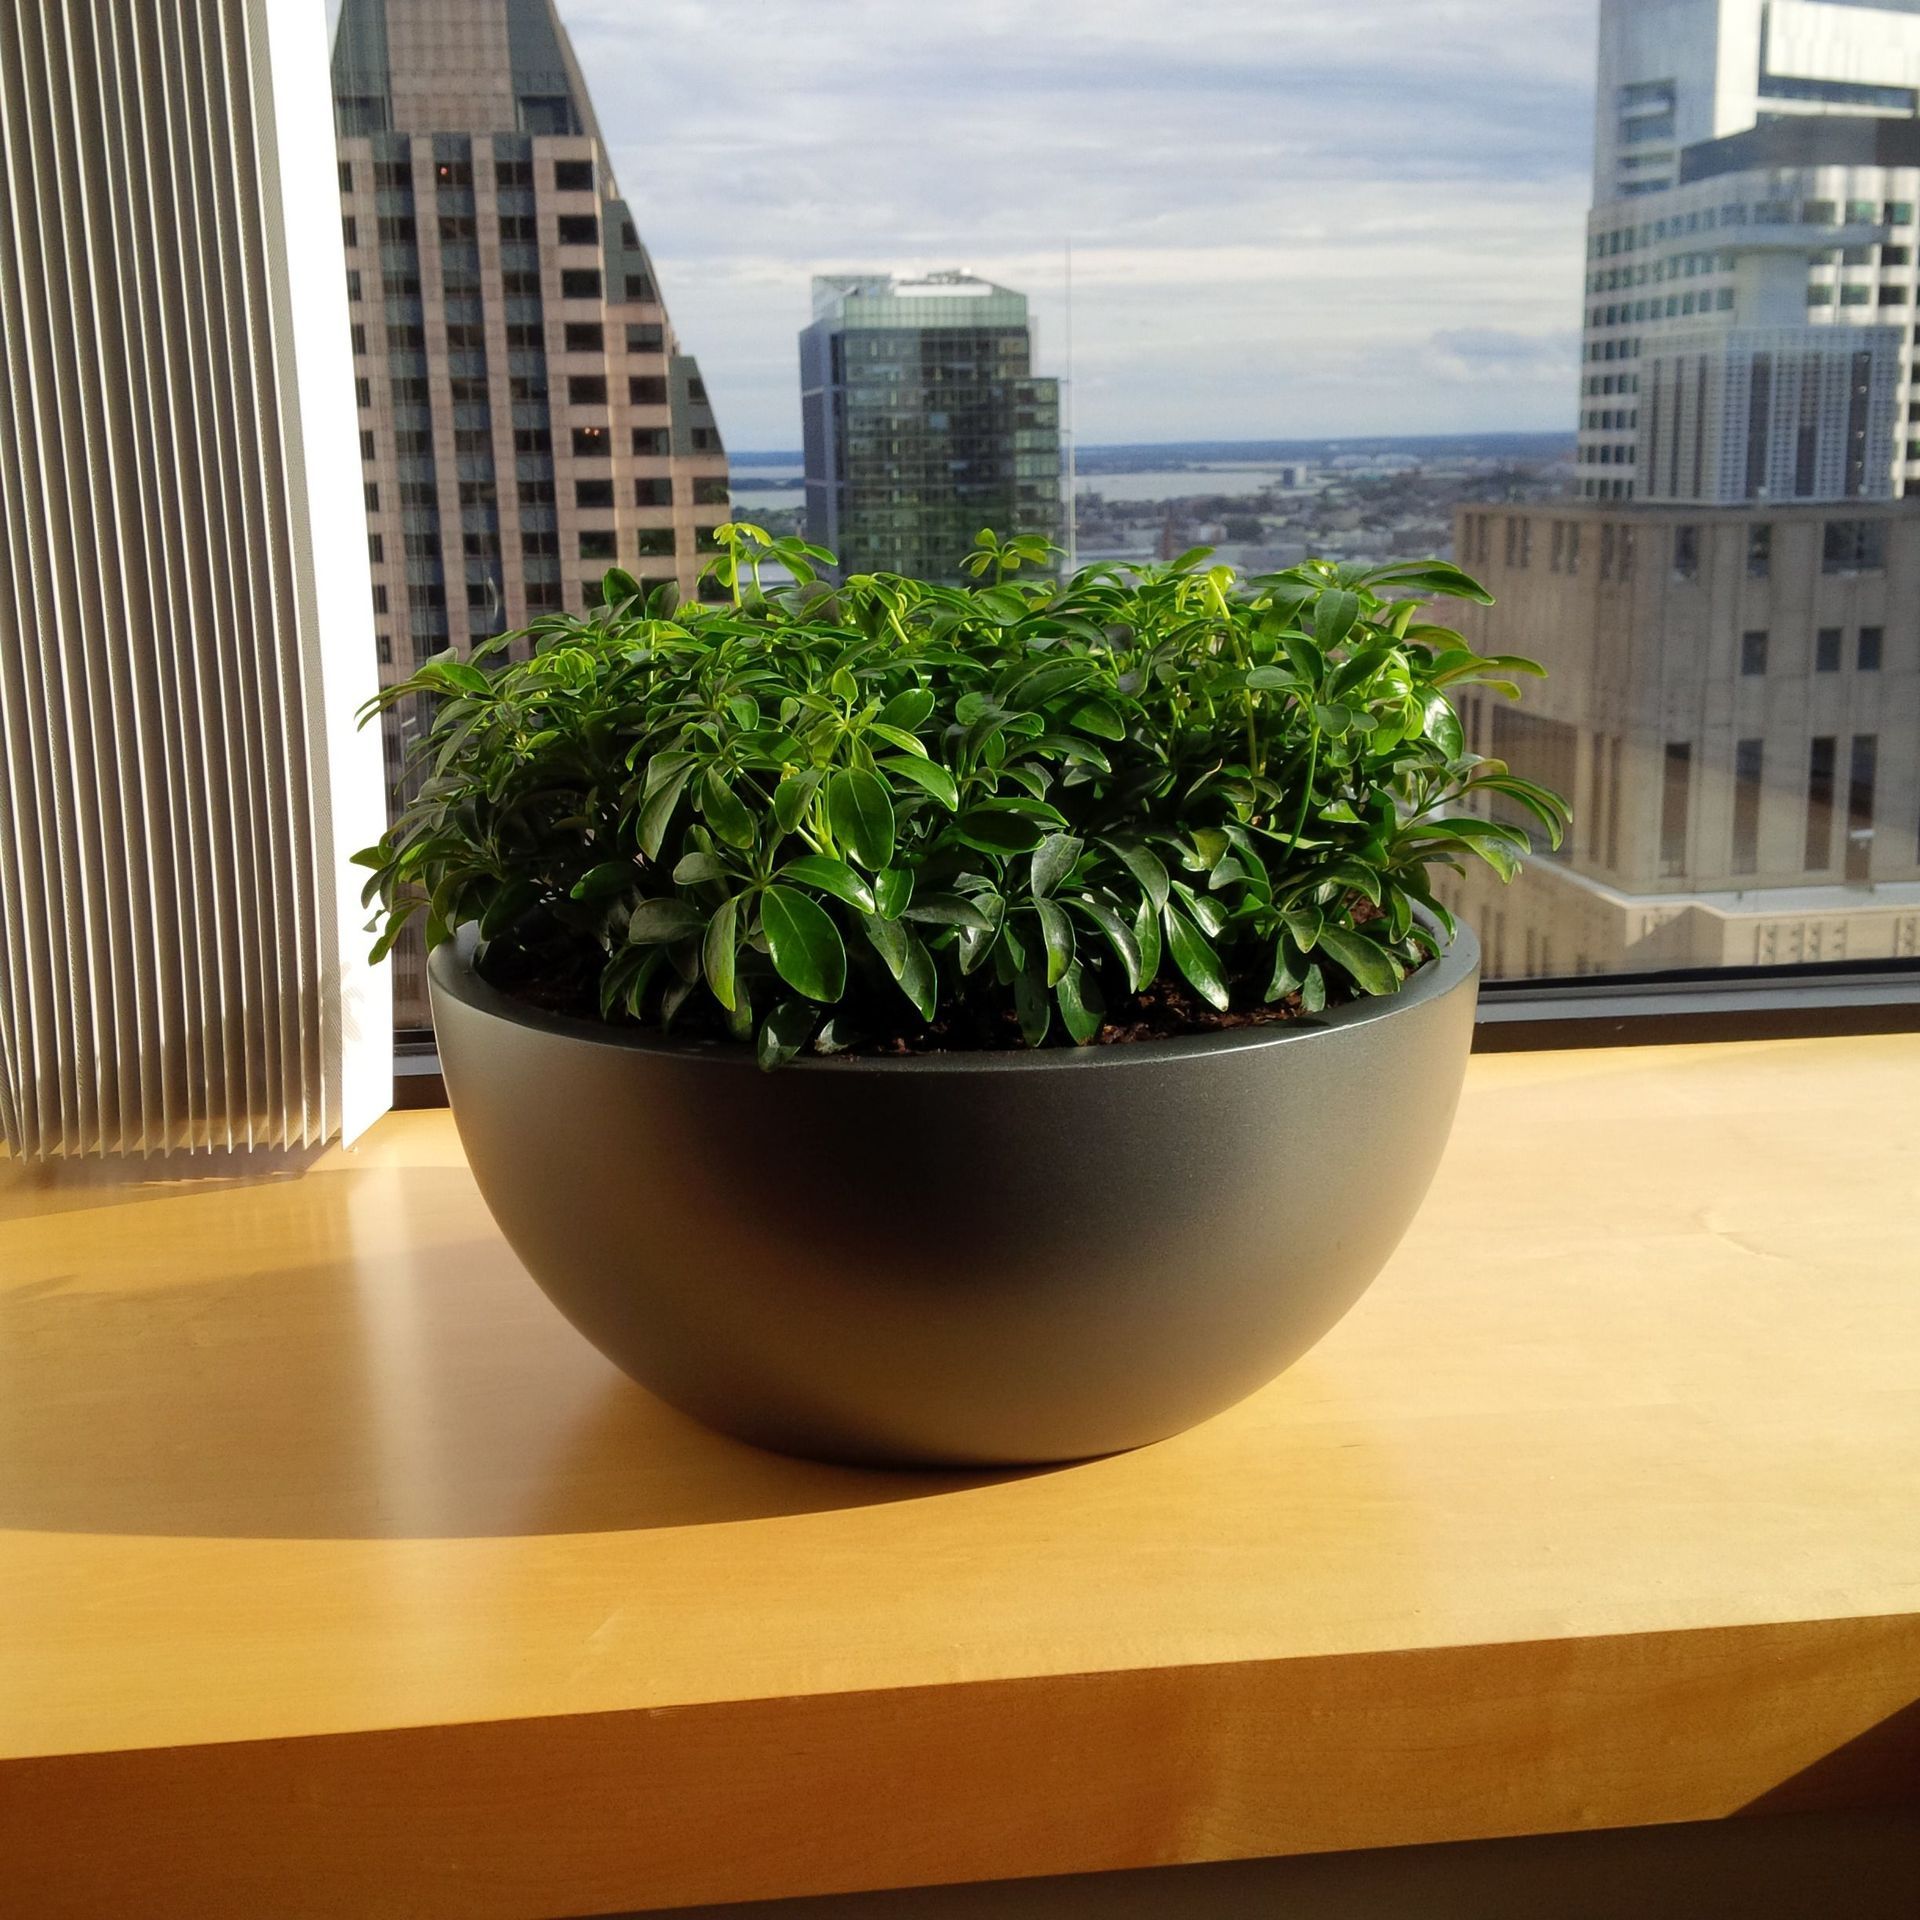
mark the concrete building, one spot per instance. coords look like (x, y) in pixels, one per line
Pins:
(923, 421)
(1749, 331)
(527, 418)
(1733, 707)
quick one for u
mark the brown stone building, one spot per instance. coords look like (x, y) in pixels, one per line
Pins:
(1733, 707)
(527, 418)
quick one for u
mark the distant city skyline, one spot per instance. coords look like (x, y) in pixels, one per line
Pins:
(1324, 225)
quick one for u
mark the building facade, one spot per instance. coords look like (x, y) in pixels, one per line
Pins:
(1750, 324)
(1732, 704)
(923, 421)
(527, 417)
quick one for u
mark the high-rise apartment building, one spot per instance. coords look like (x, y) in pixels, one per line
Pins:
(527, 418)
(923, 421)
(1749, 331)
(1730, 616)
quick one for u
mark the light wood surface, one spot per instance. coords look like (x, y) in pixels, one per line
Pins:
(338, 1576)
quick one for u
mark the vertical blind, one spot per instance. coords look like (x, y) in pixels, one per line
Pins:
(185, 608)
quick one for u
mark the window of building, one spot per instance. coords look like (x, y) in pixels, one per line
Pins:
(1826, 650)
(579, 230)
(654, 540)
(1896, 256)
(517, 228)
(1853, 546)
(1860, 779)
(543, 541)
(573, 176)
(597, 543)
(1753, 652)
(350, 231)
(653, 491)
(379, 598)
(1868, 657)
(1852, 296)
(534, 440)
(650, 442)
(383, 648)
(536, 493)
(593, 493)
(1676, 781)
(639, 287)
(376, 548)
(1759, 551)
(710, 490)
(1893, 296)
(646, 336)
(366, 443)
(580, 283)
(1820, 769)
(1748, 759)
(587, 389)
(647, 390)
(585, 336)
(703, 440)
(1897, 213)
(1686, 553)
(590, 443)
(373, 496)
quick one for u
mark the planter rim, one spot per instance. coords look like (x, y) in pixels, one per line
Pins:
(451, 970)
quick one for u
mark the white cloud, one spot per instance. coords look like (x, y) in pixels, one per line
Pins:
(1300, 218)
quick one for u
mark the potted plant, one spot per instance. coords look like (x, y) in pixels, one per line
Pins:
(921, 1023)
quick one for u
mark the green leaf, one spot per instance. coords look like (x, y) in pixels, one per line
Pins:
(664, 918)
(1120, 937)
(1304, 923)
(1366, 963)
(720, 950)
(908, 710)
(1098, 716)
(1033, 1006)
(1057, 931)
(607, 878)
(996, 829)
(861, 814)
(830, 876)
(1053, 860)
(804, 944)
(1333, 616)
(1082, 1010)
(792, 796)
(1313, 991)
(907, 959)
(947, 910)
(1146, 866)
(697, 868)
(893, 890)
(618, 585)
(929, 775)
(785, 1031)
(898, 737)
(1146, 931)
(723, 811)
(658, 811)
(1196, 959)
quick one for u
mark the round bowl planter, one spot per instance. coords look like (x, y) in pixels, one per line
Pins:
(957, 1259)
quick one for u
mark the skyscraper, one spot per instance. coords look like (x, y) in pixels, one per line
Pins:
(923, 421)
(1730, 615)
(527, 418)
(1749, 325)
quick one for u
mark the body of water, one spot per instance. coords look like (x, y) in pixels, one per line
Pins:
(1166, 483)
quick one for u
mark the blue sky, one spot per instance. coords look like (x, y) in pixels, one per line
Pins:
(1288, 216)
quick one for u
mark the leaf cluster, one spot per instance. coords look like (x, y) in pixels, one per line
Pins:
(809, 811)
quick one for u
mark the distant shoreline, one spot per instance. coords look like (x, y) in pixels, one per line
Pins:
(1202, 456)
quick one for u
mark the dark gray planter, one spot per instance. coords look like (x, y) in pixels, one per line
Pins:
(967, 1259)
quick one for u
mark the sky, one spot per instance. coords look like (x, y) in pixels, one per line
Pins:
(1288, 217)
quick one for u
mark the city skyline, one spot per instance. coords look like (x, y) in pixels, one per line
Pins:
(1343, 238)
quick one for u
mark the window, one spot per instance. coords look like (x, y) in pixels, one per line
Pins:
(1826, 650)
(544, 541)
(1759, 551)
(580, 283)
(1820, 802)
(1753, 652)
(644, 336)
(639, 287)
(379, 598)
(597, 543)
(518, 228)
(1897, 213)
(1748, 757)
(1868, 657)
(350, 231)
(1860, 776)
(533, 440)
(1853, 546)
(579, 230)
(590, 443)
(647, 390)
(376, 548)
(1896, 256)
(585, 336)
(653, 540)
(573, 176)
(587, 389)
(654, 492)
(536, 493)
(366, 443)
(373, 496)
(710, 491)
(1674, 796)
(650, 442)
(593, 493)
(1686, 553)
